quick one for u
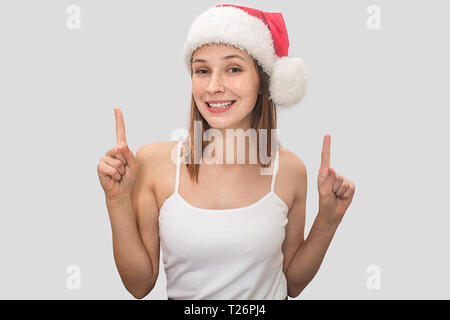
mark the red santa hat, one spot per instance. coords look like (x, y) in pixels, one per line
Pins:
(263, 36)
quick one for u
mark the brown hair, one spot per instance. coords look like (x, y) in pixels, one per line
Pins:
(264, 116)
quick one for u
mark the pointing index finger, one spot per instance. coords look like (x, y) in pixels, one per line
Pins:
(326, 152)
(120, 126)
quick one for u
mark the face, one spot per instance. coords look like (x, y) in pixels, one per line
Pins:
(218, 77)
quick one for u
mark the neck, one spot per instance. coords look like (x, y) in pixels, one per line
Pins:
(230, 146)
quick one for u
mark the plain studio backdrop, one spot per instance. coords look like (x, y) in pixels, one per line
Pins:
(378, 71)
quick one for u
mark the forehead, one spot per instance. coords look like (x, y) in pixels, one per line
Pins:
(218, 51)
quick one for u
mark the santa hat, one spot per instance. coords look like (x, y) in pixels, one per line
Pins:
(263, 36)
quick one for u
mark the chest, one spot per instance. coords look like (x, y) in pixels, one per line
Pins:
(219, 190)
(224, 190)
(235, 235)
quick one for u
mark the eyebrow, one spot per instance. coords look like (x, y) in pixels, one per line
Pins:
(227, 57)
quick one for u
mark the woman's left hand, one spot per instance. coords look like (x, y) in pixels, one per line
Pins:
(335, 191)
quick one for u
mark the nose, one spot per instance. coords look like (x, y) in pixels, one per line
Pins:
(215, 84)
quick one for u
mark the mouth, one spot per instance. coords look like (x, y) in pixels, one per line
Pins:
(217, 108)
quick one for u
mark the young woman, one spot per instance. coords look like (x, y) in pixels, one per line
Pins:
(227, 229)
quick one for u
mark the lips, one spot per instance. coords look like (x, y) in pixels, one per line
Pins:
(219, 101)
(219, 110)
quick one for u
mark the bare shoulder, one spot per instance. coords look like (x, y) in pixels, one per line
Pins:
(291, 163)
(293, 176)
(157, 161)
(155, 154)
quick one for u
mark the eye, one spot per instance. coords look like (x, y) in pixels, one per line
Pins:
(199, 70)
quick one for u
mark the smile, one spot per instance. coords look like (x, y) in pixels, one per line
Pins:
(221, 107)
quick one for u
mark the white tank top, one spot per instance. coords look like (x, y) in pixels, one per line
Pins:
(229, 254)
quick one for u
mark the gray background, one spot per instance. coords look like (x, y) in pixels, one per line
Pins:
(379, 93)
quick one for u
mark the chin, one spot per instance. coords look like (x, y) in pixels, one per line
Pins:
(220, 124)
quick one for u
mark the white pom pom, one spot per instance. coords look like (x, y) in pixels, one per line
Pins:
(288, 81)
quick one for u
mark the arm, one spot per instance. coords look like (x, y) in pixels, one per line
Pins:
(302, 258)
(309, 256)
(335, 196)
(131, 216)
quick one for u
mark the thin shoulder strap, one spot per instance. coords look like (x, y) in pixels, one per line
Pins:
(177, 176)
(275, 169)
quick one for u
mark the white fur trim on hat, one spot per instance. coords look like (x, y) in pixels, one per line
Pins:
(233, 26)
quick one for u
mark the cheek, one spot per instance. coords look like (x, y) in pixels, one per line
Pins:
(246, 86)
(197, 93)
(198, 87)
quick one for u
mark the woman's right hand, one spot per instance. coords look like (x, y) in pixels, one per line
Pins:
(117, 169)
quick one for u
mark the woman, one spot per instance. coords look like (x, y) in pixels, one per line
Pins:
(227, 229)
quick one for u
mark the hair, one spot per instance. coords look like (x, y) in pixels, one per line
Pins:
(264, 116)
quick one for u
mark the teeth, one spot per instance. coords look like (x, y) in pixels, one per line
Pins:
(220, 105)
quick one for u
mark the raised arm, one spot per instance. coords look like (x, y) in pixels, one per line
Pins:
(124, 179)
